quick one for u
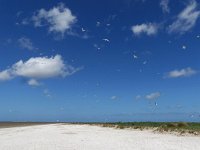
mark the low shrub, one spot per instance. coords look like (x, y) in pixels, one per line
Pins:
(171, 125)
(182, 124)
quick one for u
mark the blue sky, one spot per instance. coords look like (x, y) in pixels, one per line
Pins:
(117, 60)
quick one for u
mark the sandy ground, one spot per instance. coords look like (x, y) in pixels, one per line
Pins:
(85, 137)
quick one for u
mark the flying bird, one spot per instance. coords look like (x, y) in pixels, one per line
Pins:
(135, 56)
(145, 62)
(98, 24)
(106, 40)
(184, 47)
(83, 30)
(97, 47)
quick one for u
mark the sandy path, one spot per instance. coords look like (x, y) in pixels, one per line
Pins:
(84, 137)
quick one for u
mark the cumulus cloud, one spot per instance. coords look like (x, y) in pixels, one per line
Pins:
(148, 29)
(153, 96)
(59, 19)
(164, 4)
(186, 20)
(5, 75)
(186, 72)
(26, 43)
(39, 68)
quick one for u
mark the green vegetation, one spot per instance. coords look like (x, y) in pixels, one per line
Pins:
(179, 127)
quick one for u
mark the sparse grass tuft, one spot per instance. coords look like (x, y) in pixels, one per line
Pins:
(120, 127)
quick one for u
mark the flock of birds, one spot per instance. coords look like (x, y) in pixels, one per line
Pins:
(134, 56)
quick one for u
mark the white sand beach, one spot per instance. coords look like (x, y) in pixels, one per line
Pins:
(86, 137)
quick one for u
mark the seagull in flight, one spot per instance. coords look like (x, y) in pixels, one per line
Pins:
(184, 47)
(97, 47)
(98, 24)
(135, 56)
(106, 40)
(83, 30)
(145, 62)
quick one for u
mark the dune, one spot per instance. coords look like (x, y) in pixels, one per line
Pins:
(87, 137)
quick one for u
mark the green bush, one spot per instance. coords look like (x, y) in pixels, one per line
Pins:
(182, 124)
(171, 125)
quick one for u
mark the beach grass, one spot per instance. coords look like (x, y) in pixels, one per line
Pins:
(179, 127)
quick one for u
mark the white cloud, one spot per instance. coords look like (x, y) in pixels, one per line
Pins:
(39, 68)
(33, 82)
(186, 20)
(138, 97)
(149, 29)
(25, 21)
(181, 73)
(153, 96)
(26, 43)
(59, 19)
(47, 93)
(113, 97)
(165, 6)
(5, 75)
